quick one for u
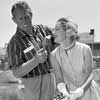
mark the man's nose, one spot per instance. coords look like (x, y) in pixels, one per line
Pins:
(26, 19)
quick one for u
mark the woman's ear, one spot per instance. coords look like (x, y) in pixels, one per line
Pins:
(66, 34)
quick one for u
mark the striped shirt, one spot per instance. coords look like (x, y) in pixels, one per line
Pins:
(22, 48)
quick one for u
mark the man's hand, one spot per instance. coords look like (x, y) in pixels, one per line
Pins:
(46, 41)
(41, 55)
(76, 94)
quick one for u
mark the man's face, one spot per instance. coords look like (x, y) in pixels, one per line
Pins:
(23, 19)
(59, 33)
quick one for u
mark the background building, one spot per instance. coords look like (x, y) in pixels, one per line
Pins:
(3, 58)
(89, 38)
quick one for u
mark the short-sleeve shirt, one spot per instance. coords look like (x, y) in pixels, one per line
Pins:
(22, 48)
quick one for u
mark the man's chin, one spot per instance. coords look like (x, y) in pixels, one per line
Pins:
(26, 29)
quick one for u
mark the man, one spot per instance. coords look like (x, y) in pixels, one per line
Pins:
(28, 52)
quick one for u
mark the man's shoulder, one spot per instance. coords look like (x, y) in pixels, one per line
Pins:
(44, 27)
(12, 40)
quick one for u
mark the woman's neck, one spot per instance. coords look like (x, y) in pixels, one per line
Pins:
(67, 44)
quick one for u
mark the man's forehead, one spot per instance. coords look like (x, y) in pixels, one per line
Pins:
(20, 11)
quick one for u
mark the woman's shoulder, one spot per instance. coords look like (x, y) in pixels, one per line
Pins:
(82, 45)
(56, 50)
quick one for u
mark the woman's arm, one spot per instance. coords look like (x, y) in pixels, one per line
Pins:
(61, 86)
(88, 66)
(87, 70)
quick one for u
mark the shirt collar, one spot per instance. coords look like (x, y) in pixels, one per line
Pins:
(22, 34)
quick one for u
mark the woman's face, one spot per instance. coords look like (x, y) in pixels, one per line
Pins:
(59, 33)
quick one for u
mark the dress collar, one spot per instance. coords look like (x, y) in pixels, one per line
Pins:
(23, 34)
(70, 47)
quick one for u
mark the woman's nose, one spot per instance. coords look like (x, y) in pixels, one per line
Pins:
(54, 32)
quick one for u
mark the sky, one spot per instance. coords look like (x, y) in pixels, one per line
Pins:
(84, 12)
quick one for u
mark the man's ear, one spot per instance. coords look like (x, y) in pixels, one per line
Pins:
(14, 19)
(31, 15)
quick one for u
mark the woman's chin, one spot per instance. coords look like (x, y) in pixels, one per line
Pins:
(56, 41)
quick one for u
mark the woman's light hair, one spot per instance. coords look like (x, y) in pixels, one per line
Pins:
(67, 23)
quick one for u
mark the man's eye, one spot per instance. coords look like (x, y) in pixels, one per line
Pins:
(21, 18)
(28, 16)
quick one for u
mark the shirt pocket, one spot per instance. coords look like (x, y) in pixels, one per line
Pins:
(29, 52)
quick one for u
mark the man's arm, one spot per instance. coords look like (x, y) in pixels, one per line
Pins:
(16, 63)
(49, 38)
(25, 68)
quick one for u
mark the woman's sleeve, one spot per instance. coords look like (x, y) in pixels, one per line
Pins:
(88, 62)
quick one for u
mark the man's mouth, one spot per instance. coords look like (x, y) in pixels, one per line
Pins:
(25, 25)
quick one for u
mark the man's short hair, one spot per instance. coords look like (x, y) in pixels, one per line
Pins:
(20, 4)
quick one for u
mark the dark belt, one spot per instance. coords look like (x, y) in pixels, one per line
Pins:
(36, 74)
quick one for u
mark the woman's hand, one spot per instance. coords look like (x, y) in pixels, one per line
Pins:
(62, 89)
(76, 94)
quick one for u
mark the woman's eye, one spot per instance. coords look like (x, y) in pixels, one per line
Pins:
(56, 29)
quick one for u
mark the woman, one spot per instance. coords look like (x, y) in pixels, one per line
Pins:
(72, 62)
